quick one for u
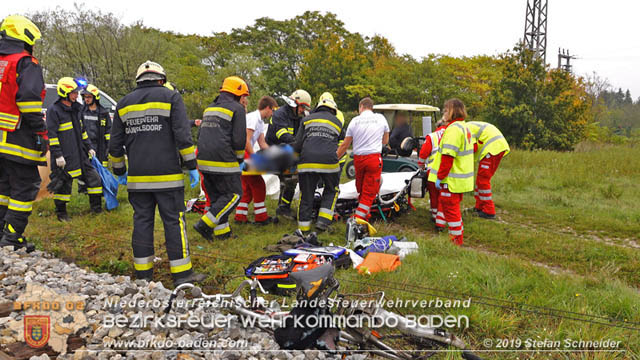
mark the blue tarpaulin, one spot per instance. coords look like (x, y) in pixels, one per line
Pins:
(109, 184)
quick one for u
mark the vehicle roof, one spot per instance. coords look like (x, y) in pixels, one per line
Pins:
(406, 107)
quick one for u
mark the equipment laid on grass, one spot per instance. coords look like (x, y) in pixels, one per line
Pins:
(406, 340)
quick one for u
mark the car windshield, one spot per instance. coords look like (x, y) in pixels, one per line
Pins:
(50, 97)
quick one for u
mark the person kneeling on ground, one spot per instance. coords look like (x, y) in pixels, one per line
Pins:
(253, 186)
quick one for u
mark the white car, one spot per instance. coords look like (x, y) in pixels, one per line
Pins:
(52, 95)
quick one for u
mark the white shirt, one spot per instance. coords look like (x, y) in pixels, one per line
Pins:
(255, 123)
(367, 131)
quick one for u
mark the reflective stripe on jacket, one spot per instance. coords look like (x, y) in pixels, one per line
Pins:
(457, 142)
(151, 124)
(317, 142)
(97, 124)
(28, 92)
(222, 137)
(489, 138)
(67, 137)
(283, 126)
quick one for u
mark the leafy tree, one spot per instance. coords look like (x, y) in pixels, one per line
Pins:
(331, 65)
(536, 108)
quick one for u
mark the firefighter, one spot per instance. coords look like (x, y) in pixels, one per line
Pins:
(71, 148)
(491, 148)
(221, 144)
(317, 143)
(150, 126)
(23, 134)
(454, 161)
(282, 130)
(97, 122)
(425, 159)
(253, 186)
(369, 132)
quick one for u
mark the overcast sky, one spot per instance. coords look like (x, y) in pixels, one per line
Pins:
(602, 34)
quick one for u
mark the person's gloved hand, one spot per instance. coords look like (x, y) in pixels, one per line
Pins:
(92, 153)
(438, 186)
(243, 166)
(60, 162)
(122, 179)
(287, 148)
(194, 176)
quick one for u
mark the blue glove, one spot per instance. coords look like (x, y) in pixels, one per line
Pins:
(287, 148)
(194, 176)
(243, 166)
(122, 179)
(438, 186)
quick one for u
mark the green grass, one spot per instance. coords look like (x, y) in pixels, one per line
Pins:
(566, 239)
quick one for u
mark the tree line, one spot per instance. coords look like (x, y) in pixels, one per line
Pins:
(536, 107)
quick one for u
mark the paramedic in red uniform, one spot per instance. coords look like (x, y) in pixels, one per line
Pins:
(425, 159)
(253, 186)
(492, 147)
(454, 161)
(369, 132)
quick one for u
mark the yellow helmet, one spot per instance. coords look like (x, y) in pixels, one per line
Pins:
(235, 85)
(153, 70)
(169, 86)
(340, 116)
(20, 28)
(93, 90)
(326, 99)
(66, 86)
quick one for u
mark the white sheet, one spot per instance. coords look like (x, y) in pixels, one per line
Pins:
(391, 183)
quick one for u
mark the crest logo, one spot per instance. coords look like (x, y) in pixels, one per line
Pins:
(36, 330)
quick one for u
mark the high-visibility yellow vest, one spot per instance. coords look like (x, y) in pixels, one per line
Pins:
(456, 141)
(489, 138)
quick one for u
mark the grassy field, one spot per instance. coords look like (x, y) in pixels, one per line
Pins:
(561, 262)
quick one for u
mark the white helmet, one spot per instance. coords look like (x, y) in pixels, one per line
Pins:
(150, 70)
(300, 97)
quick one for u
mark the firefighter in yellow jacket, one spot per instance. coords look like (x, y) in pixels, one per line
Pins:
(23, 135)
(151, 125)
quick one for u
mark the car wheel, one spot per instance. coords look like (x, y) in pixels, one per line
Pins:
(350, 170)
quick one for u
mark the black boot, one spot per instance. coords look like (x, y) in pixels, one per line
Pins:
(61, 210)
(204, 230)
(82, 187)
(16, 240)
(96, 203)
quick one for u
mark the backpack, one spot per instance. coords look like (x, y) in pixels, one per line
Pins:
(273, 271)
